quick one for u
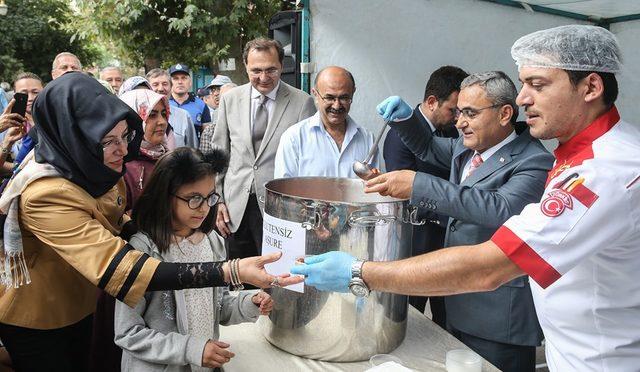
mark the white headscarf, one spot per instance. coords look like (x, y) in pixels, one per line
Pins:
(143, 101)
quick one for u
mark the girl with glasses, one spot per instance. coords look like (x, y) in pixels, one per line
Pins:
(178, 330)
(64, 212)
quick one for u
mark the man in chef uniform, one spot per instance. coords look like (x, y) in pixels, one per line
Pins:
(579, 244)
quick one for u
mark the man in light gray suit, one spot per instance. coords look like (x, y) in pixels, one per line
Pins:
(496, 169)
(251, 119)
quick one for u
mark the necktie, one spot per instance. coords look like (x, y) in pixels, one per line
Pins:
(476, 161)
(260, 124)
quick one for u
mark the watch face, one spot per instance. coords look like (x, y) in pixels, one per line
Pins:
(358, 289)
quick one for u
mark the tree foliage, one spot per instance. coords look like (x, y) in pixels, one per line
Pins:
(196, 32)
(33, 32)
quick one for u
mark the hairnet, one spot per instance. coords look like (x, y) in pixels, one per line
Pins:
(572, 47)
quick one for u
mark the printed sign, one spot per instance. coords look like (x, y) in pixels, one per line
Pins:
(286, 237)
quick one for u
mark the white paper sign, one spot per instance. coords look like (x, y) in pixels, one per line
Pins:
(286, 237)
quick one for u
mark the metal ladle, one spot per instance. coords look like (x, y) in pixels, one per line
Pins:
(362, 168)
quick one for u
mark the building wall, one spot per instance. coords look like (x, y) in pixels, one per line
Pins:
(629, 80)
(391, 47)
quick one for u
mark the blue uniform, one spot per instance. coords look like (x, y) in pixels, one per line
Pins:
(197, 109)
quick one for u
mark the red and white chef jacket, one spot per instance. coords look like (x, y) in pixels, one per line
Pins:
(581, 246)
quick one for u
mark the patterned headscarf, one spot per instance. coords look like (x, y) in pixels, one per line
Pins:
(143, 101)
(131, 83)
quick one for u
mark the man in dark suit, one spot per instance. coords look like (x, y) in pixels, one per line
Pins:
(437, 114)
(496, 169)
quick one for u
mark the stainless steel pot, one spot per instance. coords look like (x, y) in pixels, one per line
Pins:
(338, 215)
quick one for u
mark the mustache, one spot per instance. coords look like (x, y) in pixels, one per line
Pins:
(527, 110)
(334, 111)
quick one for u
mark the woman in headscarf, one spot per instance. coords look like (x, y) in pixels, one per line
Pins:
(132, 83)
(158, 139)
(64, 211)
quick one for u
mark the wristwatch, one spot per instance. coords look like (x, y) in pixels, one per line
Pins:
(357, 286)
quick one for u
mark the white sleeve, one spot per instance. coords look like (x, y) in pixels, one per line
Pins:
(571, 223)
(286, 161)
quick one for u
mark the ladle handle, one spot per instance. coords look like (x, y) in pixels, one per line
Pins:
(374, 148)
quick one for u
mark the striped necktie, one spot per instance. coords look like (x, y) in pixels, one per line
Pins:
(476, 162)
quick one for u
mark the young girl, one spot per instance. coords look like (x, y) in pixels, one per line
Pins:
(178, 330)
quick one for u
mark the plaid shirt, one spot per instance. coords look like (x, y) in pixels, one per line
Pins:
(206, 138)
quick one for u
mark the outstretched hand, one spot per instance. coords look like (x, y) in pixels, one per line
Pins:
(329, 271)
(252, 271)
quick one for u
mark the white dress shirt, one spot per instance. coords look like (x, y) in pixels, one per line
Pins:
(433, 128)
(307, 149)
(256, 98)
(487, 154)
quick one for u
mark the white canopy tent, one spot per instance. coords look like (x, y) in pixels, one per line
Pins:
(391, 47)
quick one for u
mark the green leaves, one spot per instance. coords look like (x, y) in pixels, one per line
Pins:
(33, 32)
(196, 32)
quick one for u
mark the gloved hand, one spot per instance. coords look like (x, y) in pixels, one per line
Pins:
(394, 108)
(329, 271)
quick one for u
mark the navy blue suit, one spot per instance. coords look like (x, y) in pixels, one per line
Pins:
(430, 236)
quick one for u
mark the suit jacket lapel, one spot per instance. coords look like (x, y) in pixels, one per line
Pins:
(498, 160)
(460, 156)
(282, 101)
(495, 162)
(244, 103)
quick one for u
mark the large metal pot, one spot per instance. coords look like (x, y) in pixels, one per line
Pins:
(339, 216)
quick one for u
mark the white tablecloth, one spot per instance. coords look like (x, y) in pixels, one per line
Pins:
(423, 349)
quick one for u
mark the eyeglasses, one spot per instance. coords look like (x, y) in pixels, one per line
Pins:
(471, 113)
(269, 72)
(116, 142)
(196, 201)
(344, 100)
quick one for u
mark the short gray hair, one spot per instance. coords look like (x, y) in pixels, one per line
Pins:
(111, 68)
(54, 65)
(154, 73)
(498, 86)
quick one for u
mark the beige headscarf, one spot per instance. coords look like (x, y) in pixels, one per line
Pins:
(142, 101)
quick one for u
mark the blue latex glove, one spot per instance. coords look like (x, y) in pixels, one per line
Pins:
(394, 108)
(329, 271)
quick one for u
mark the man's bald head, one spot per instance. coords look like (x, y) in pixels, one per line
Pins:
(334, 89)
(334, 72)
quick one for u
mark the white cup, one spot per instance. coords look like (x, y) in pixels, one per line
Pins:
(462, 360)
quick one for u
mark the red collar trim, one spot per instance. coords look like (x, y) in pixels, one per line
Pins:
(589, 134)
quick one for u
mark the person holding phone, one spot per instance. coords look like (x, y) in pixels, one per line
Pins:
(10, 119)
(9, 138)
(12, 125)
(30, 85)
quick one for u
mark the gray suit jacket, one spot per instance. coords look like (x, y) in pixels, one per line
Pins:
(233, 136)
(501, 187)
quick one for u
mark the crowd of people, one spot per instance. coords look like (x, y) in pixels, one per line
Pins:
(131, 206)
(107, 202)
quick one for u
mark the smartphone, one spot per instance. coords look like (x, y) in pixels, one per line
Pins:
(20, 106)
